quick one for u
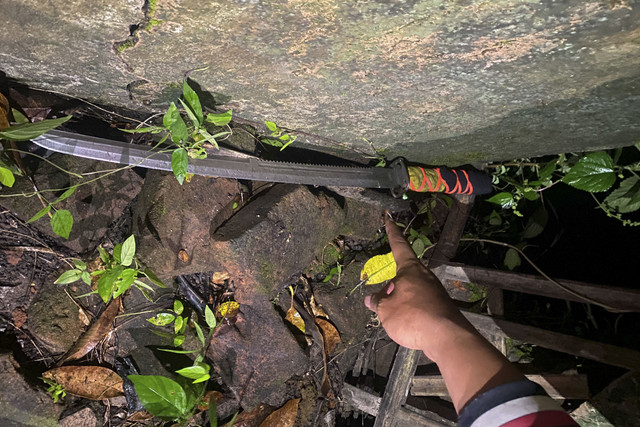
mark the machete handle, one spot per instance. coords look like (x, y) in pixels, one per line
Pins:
(448, 181)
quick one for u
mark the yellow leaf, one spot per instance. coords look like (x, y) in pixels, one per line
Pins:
(228, 309)
(294, 317)
(379, 269)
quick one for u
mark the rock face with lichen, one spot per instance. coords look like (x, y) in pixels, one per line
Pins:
(435, 81)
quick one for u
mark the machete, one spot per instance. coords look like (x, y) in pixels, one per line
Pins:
(397, 177)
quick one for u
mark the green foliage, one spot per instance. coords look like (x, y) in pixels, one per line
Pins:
(278, 137)
(115, 279)
(595, 172)
(56, 390)
(166, 398)
(28, 131)
(189, 139)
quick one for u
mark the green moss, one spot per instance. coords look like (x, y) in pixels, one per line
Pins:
(127, 44)
(151, 21)
(478, 292)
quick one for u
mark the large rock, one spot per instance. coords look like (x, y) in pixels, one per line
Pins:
(437, 82)
(21, 404)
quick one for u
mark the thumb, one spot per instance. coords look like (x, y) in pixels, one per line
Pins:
(372, 301)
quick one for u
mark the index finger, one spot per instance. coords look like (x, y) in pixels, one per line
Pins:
(402, 252)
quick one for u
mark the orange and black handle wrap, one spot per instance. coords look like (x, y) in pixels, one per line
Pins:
(449, 181)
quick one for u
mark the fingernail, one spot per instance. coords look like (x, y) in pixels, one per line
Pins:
(367, 301)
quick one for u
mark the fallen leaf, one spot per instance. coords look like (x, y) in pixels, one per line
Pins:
(254, 417)
(96, 333)
(90, 382)
(4, 112)
(228, 309)
(379, 269)
(183, 256)
(294, 317)
(140, 416)
(204, 402)
(19, 317)
(317, 309)
(82, 316)
(14, 256)
(283, 417)
(219, 277)
(329, 333)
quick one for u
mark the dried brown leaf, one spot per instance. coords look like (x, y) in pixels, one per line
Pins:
(254, 417)
(283, 417)
(219, 277)
(183, 256)
(4, 112)
(90, 382)
(204, 402)
(317, 309)
(330, 334)
(96, 333)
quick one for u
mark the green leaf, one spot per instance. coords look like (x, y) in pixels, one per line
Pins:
(626, 198)
(79, 264)
(547, 170)
(173, 121)
(208, 137)
(202, 379)
(66, 194)
(593, 173)
(199, 333)
(209, 317)
(193, 101)
(221, 119)
(128, 251)
(104, 255)
(504, 199)
(180, 323)
(117, 252)
(536, 223)
(179, 160)
(152, 129)
(62, 222)
(124, 282)
(418, 247)
(192, 116)
(178, 307)
(495, 218)
(27, 131)
(162, 319)
(192, 372)
(106, 283)
(178, 340)
(170, 350)
(86, 277)
(512, 259)
(42, 212)
(6, 177)
(19, 117)
(154, 279)
(160, 396)
(271, 126)
(68, 277)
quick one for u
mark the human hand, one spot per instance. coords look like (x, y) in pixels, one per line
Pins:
(414, 307)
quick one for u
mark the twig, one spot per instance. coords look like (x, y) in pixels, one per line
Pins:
(555, 282)
(33, 249)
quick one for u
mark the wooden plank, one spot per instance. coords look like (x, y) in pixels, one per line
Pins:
(395, 395)
(556, 386)
(495, 307)
(447, 244)
(406, 416)
(624, 299)
(601, 352)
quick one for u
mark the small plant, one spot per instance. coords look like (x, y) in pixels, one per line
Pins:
(279, 137)
(120, 271)
(594, 172)
(189, 139)
(56, 390)
(164, 397)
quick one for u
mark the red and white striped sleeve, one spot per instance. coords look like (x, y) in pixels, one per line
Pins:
(517, 404)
